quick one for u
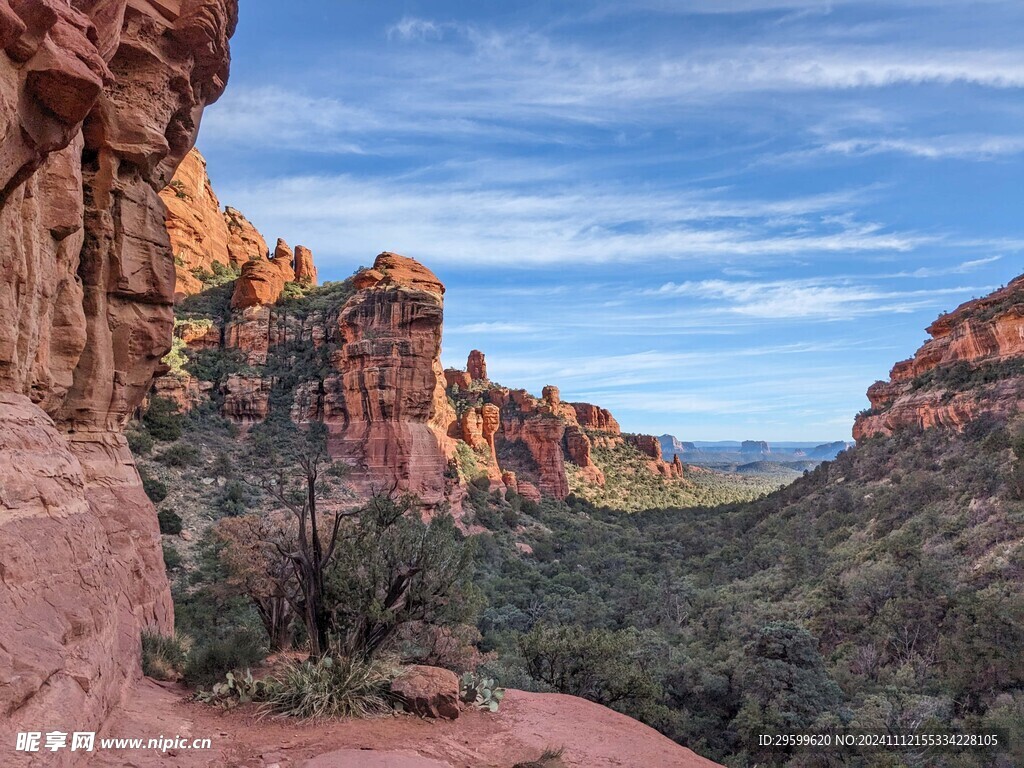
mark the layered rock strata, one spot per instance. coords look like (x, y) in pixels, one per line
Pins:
(99, 102)
(972, 366)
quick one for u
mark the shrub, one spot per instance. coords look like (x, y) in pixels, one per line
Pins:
(172, 558)
(597, 664)
(392, 568)
(222, 466)
(216, 364)
(211, 661)
(466, 460)
(162, 419)
(179, 455)
(155, 489)
(331, 687)
(235, 501)
(139, 441)
(170, 522)
(163, 656)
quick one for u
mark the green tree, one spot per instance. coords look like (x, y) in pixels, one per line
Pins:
(606, 666)
(391, 569)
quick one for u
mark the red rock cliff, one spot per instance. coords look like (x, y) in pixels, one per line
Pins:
(386, 409)
(99, 102)
(972, 365)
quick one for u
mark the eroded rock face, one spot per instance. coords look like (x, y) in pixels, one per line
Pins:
(476, 366)
(646, 444)
(244, 241)
(262, 280)
(99, 102)
(595, 418)
(194, 222)
(81, 572)
(202, 235)
(386, 410)
(305, 270)
(246, 398)
(973, 365)
(455, 378)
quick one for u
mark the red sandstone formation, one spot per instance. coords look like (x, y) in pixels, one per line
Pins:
(249, 330)
(201, 233)
(187, 392)
(305, 270)
(244, 241)
(528, 491)
(476, 366)
(578, 446)
(594, 418)
(523, 727)
(195, 225)
(984, 332)
(99, 102)
(386, 410)
(455, 378)
(262, 280)
(646, 444)
(472, 431)
(543, 434)
(553, 432)
(246, 398)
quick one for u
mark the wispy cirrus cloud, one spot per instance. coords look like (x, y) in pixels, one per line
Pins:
(807, 299)
(560, 224)
(942, 147)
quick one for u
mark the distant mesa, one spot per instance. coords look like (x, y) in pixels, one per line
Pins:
(755, 446)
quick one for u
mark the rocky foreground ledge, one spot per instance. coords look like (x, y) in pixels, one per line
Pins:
(526, 725)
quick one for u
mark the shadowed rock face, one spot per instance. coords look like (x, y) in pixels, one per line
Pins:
(99, 102)
(986, 334)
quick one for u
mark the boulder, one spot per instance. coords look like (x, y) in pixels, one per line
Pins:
(429, 691)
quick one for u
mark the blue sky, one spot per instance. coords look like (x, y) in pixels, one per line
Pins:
(719, 218)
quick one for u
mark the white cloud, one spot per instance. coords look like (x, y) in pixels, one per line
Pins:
(413, 28)
(806, 299)
(556, 224)
(943, 147)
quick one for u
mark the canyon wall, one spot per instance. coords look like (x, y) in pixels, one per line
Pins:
(973, 365)
(392, 413)
(99, 102)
